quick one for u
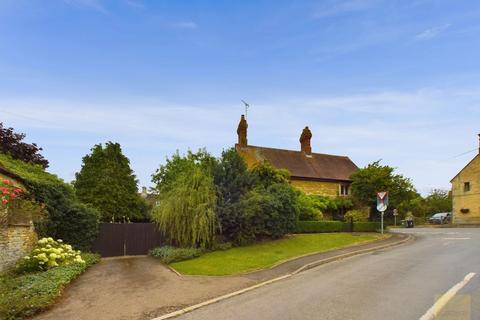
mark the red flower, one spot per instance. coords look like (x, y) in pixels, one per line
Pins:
(17, 190)
(13, 195)
(4, 201)
(5, 181)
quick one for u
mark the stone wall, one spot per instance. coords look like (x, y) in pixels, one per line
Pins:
(318, 188)
(468, 200)
(16, 241)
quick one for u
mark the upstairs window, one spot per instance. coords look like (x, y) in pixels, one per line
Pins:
(466, 187)
(344, 190)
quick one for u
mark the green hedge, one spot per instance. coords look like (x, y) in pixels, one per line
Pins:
(319, 226)
(366, 226)
(335, 226)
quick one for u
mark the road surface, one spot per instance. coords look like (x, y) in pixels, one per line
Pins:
(395, 284)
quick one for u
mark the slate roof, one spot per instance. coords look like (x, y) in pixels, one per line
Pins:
(316, 166)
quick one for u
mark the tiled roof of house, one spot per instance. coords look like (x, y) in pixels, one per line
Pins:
(316, 166)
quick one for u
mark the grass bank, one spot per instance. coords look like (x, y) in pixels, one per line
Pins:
(25, 295)
(266, 254)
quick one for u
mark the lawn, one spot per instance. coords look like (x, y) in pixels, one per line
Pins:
(266, 254)
(24, 295)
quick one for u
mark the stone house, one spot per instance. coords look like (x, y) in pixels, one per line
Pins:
(313, 173)
(466, 193)
(17, 238)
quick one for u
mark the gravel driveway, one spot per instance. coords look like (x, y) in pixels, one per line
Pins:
(134, 288)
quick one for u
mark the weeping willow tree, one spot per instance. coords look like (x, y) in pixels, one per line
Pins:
(186, 214)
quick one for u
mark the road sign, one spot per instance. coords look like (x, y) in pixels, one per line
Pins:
(382, 201)
(395, 212)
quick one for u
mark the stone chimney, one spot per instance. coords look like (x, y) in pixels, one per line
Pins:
(305, 141)
(242, 132)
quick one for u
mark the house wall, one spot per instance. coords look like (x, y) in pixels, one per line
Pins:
(319, 188)
(467, 199)
(16, 241)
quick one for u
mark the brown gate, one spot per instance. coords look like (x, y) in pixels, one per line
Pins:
(125, 239)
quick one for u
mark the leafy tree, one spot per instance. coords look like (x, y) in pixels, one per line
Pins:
(166, 175)
(366, 182)
(232, 180)
(437, 201)
(12, 143)
(186, 214)
(107, 183)
(270, 209)
(269, 212)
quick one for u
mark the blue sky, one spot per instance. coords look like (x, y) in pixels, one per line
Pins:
(391, 80)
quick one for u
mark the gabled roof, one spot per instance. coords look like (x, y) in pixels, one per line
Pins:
(468, 164)
(316, 166)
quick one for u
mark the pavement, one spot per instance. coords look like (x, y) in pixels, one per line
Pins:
(399, 284)
(143, 288)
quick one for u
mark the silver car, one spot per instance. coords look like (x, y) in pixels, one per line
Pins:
(440, 218)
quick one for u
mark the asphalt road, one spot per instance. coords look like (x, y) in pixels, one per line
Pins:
(399, 283)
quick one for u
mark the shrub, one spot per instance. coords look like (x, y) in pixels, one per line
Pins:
(335, 226)
(319, 226)
(186, 214)
(47, 254)
(308, 208)
(169, 254)
(24, 295)
(357, 215)
(366, 226)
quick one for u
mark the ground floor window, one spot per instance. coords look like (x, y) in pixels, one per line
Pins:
(344, 190)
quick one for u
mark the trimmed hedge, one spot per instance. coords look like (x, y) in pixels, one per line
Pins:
(319, 226)
(335, 226)
(366, 226)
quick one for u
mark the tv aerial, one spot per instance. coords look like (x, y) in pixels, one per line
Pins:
(246, 107)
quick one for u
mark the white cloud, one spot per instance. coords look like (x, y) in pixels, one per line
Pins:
(431, 32)
(420, 132)
(184, 25)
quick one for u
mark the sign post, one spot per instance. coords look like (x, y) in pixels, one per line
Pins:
(382, 204)
(395, 214)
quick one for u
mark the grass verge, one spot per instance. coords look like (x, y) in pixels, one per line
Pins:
(24, 295)
(266, 254)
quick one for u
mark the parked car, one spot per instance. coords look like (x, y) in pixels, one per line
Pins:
(440, 218)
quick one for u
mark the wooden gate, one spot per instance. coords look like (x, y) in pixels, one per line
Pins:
(126, 239)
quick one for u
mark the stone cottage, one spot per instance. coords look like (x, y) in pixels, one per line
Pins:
(313, 173)
(466, 193)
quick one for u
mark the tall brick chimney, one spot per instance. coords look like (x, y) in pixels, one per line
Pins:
(305, 141)
(242, 132)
